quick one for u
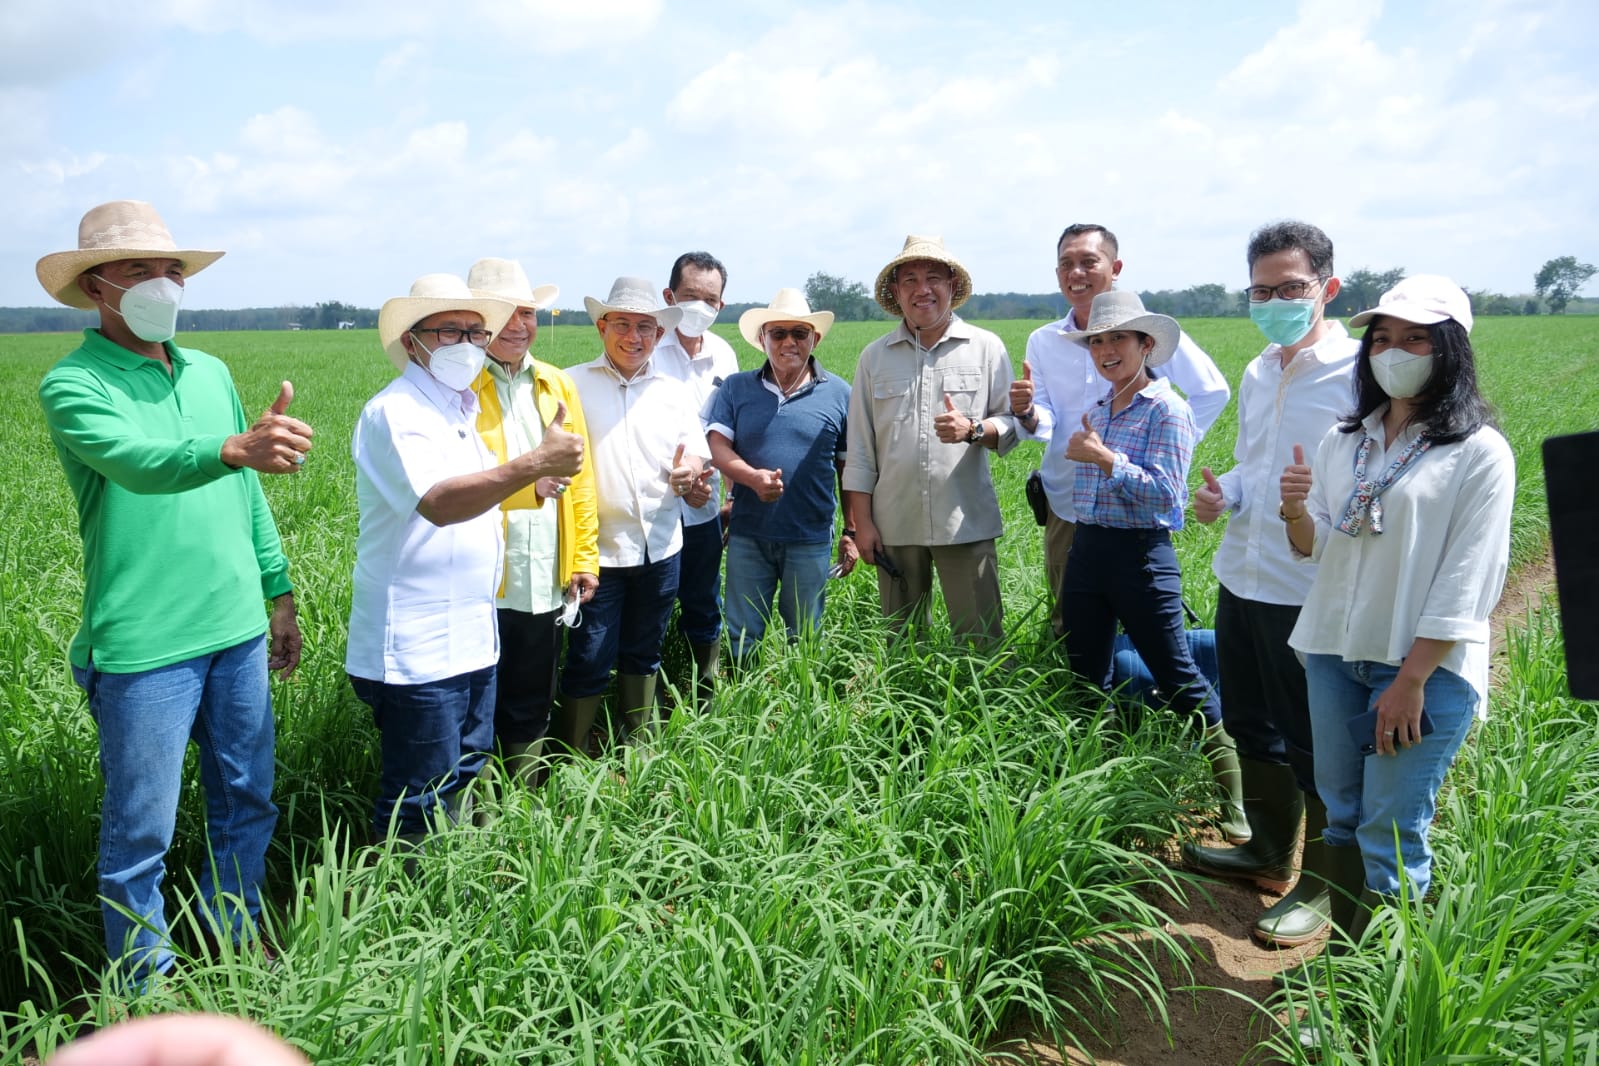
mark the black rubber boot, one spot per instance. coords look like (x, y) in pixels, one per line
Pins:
(1304, 913)
(1273, 805)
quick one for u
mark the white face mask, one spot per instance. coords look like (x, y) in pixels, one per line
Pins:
(697, 318)
(455, 366)
(571, 614)
(150, 308)
(1400, 374)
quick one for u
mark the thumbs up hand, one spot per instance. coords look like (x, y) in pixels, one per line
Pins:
(560, 453)
(1086, 446)
(1209, 502)
(275, 444)
(1295, 483)
(951, 426)
(686, 469)
(1021, 393)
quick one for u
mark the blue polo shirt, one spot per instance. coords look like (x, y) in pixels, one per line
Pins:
(802, 436)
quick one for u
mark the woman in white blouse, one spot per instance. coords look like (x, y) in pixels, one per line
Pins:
(1406, 507)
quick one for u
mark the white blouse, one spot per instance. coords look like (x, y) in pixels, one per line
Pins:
(1435, 571)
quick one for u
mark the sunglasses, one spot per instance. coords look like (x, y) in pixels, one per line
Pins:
(783, 333)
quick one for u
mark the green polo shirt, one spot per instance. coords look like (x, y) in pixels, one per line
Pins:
(179, 549)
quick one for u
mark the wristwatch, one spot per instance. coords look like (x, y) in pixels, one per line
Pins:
(975, 434)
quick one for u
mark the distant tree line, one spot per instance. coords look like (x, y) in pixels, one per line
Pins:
(1555, 287)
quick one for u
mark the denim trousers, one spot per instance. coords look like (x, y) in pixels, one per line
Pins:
(1130, 677)
(1131, 576)
(699, 586)
(1267, 710)
(623, 626)
(759, 569)
(145, 722)
(436, 737)
(1383, 803)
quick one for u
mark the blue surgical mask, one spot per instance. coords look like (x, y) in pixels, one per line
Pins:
(1284, 322)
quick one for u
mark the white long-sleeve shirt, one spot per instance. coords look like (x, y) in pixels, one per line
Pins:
(1435, 571)
(1066, 384)
(1278, 407)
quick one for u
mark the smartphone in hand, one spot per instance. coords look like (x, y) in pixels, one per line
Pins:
(1363, 730)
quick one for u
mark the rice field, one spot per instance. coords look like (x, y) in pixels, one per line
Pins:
(871, 853)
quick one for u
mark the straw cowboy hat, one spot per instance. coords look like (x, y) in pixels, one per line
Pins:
(1118, 310)
(634, 296)
(121, 229)
(930, 248)
(788, 305)
(430, 294)
(504, 279)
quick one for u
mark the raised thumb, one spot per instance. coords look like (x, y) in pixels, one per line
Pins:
(285, 397)
(949, 404)
(1210, 480)
(677, 456)
(1027, 371)
(1299, 455)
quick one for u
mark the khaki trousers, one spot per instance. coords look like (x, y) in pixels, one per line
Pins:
(968, 575)
(1058, 534)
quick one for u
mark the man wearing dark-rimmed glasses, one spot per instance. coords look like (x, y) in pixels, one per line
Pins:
(423, 640)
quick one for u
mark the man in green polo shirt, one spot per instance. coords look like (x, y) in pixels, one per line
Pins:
(179, 553)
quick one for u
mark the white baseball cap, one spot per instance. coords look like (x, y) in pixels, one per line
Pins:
(1425, 299)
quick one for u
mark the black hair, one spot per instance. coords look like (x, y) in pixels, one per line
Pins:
(1288, 235)
(1448, 408)
(700, 261)
(1077, 229)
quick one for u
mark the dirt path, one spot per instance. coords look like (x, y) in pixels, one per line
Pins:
(1213, 1026)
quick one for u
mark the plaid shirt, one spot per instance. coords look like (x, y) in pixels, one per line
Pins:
(1153, 438)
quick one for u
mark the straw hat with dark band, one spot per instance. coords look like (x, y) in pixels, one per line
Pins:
(121, 229)
(918, 248)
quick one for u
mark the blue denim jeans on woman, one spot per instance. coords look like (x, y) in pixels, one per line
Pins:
(146, 720)
(1376, 800)
(759, 569)
(436, 738)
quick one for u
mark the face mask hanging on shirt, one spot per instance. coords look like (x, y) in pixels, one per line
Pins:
(456, 366)
(697, 318)
(1284, 322)
(1400, 374)
(150, 308)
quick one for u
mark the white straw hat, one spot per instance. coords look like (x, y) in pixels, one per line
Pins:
(634, 296)
(1115, 309)
(431, 294)
(789, 305)
(929, 248)
(505, 279)
(121, 229)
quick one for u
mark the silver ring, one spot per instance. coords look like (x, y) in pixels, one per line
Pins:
(299, 458)
(560, 489)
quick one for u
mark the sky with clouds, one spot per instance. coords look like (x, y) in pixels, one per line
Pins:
(338, 149)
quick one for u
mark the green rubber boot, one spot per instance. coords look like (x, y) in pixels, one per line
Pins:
(1350, 904)
(525, 762)
(707, 661)
(636, 693)
(1223, 755)
(570, 723)
(1272, 805)
(1303, 914)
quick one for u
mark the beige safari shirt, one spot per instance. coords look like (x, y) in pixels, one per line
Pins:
(926, 492)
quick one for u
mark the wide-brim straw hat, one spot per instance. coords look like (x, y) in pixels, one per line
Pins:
(789, 305)
(634, 296)
(1118, 310)
(1426, 300)
(505, 279)
(430, 294)
(121, 229)
(929, 248)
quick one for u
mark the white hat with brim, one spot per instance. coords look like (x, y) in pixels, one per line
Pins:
(917, 248)
(1117, 310)
(1425, 299)
(121, 229)
(431, 294)
(634, 296)
(789, 305)
(504, 279)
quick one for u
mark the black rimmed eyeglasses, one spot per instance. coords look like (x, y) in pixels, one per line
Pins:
(452, 335)
(1288, 290)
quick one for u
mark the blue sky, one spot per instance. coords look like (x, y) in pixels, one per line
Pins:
(339, 149)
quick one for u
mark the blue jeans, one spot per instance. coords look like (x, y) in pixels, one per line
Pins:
(436, 740)
(146, 720)
(699, 587)
(1129, 674)
(1371, 798)
(623, 626)
(758, 569)
(1131, 576)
